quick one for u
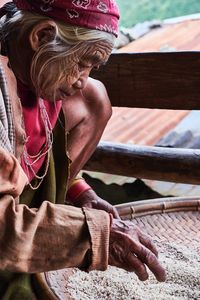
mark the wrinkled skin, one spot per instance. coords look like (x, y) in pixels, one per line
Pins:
(132, 250)
(92, 200)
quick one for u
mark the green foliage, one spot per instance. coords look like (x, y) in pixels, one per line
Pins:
(133, 11)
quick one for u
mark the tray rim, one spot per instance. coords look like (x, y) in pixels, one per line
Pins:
(163, 205)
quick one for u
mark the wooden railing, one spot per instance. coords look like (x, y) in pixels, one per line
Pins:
(159, 163)
(151, 80)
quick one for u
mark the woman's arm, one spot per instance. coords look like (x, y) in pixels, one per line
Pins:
(48, 238)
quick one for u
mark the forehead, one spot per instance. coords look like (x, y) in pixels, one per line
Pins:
(98, 52)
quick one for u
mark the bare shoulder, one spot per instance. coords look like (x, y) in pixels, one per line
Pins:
(95, 90)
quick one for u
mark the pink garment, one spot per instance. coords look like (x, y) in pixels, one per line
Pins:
(94, 14)
(34, 126)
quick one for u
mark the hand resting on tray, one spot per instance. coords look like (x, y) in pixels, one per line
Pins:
(133, 250)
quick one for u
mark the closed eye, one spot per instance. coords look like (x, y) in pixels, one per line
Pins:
(83, 66)
(96, 67)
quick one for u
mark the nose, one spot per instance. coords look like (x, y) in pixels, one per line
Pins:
(80, 83)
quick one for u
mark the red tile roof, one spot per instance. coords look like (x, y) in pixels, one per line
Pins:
(141, 126)
(145, 126)
(182, 36)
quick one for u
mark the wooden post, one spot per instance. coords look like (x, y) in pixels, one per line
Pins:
(157, 163)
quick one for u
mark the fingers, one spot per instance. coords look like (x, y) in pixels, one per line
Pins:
(121, 256)
(131, 255)
(115, 213)
(146, 256)
(148, 243)
(150, 259)
(137, 266)
(103, 204)
(149, 255)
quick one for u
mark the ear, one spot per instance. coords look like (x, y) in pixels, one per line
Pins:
(43, 32)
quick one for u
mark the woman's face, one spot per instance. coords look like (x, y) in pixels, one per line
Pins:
(75, 77)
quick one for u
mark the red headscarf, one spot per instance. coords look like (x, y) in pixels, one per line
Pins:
(95, 14)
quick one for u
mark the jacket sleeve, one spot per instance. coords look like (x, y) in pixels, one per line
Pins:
(51, 237)
(12, 177)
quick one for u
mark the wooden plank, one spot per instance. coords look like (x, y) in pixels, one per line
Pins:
(153, 80)
(157, 163)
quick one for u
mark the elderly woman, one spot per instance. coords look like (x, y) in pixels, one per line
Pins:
(52, 115)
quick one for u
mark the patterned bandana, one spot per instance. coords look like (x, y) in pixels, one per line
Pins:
(95, 14)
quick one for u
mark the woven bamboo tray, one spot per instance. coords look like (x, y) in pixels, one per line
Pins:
(166, 219)
(169, 220)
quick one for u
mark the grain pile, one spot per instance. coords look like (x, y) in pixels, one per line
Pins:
(183, 280)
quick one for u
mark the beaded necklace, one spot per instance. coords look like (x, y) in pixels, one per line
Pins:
(30, 160)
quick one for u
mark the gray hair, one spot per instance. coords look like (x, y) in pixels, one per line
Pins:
(63, 50)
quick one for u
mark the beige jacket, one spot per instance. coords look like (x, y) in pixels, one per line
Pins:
(53, 236)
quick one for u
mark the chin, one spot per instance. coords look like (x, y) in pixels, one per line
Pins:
(63, 95)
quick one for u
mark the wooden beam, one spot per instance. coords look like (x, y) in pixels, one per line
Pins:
(156, 163)
(153, 80)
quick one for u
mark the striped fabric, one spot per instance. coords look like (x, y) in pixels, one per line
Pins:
(7, 136)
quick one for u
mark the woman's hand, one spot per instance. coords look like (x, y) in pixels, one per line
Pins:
(130, 248)
(90, 199)
(133, 250)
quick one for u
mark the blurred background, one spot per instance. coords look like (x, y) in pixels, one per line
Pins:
(133, 12)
